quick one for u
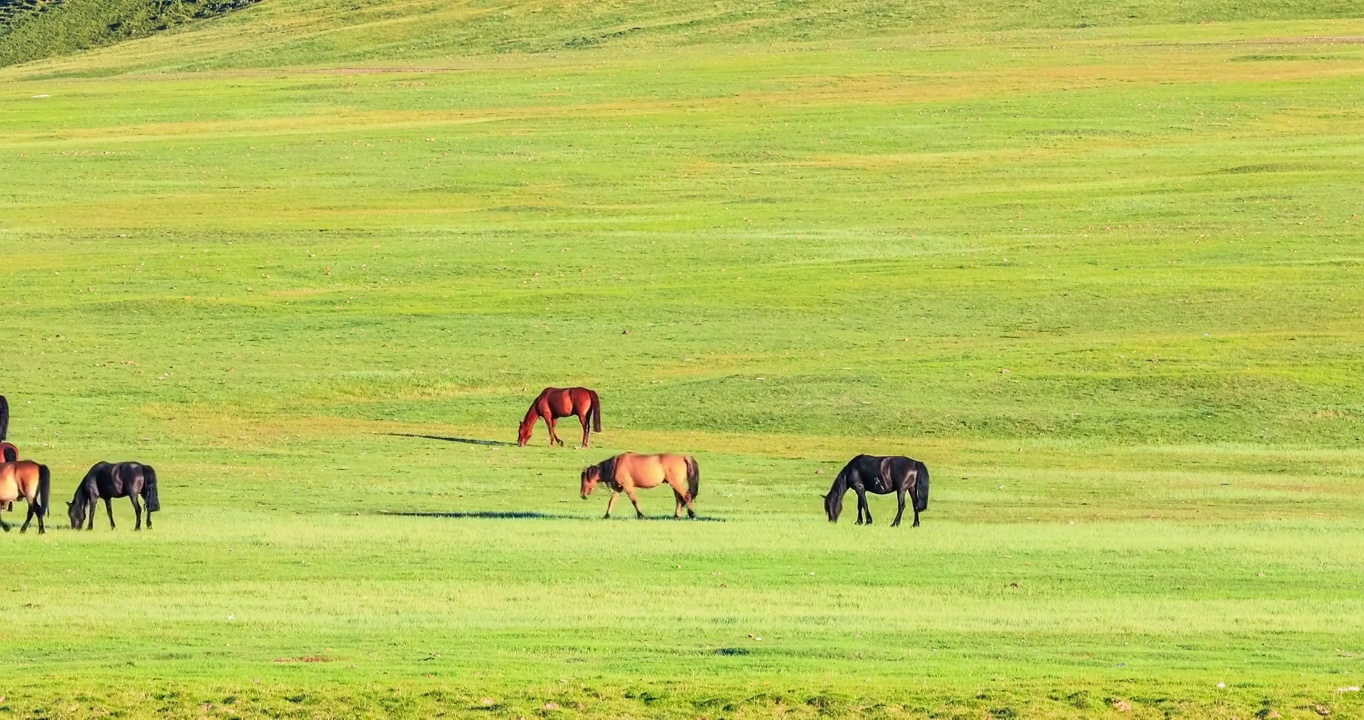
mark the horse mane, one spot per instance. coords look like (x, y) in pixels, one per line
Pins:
(607, 470)
(841, 479)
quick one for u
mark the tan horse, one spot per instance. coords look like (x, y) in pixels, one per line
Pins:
(32, 482)
(629, 471)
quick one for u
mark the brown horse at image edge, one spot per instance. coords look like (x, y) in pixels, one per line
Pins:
(554, 403)
(629, 471)
(32, 482)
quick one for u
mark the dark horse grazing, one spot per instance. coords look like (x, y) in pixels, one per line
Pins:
(114, 480)
(554, 403)
(28, 480)
(881, 475)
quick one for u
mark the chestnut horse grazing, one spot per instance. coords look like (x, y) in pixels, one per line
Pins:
(554, 403)
(114, 480)
(32, 482)
(881, 475)
(628, 472)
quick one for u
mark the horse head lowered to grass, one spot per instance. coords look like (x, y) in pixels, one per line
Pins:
(554, 403)
(114, 480)
(880, 475)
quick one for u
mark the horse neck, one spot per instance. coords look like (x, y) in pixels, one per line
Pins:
(531, 416)
(840, 485)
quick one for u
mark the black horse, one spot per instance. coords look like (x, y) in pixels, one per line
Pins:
(881, 475)
(4, 417)
(114, 480)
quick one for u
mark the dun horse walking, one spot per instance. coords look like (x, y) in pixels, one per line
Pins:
(114, 480)
(554, 403)
(628, 472)
(881, 475)
(32, 482)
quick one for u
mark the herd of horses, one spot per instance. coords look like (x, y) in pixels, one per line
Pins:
(32, 482)
(624, 473)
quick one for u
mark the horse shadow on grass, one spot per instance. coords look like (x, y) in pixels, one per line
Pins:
(443, 438)
(528, 515)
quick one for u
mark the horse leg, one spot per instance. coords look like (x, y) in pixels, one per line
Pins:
(611, 503)
(860, 520)
(29, 518)
(553, 436)
(582, 418)
(91, 508)
(137, 510)
(686, 498)
(149, 519)
(862, 501)
(109, 506)
(901, 496)
(634, 501)
(677, 509)
(4, 525)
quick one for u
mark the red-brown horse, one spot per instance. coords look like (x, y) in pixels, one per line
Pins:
(554, 403)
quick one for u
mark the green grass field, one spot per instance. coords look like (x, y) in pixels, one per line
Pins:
(1099, 266)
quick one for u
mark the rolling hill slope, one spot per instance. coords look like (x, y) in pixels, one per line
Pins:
(321, 32)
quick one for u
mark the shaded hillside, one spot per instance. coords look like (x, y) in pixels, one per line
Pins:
(35, 29)
(319, 32)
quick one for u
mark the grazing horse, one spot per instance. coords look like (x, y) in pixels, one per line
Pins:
(553, 403)
(114, 480)
(4, 417)
(32, 482)
(626, 472)
(881, 475)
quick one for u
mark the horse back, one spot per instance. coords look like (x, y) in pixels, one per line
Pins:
(116, 480)
(647, 471)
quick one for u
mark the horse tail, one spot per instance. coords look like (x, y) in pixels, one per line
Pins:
(4, 417)
(693, 477)
(11, 453)
(44, 490)
(149, 489)
(921, 488)
(596, 410)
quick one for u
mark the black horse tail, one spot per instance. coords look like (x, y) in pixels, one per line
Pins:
(693, 477)
(44, 490)
(921, 488)
(596, 410)
(11, 455)
(4, 417)
(149, 489)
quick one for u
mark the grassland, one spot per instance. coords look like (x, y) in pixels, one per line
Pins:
(312, 262)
